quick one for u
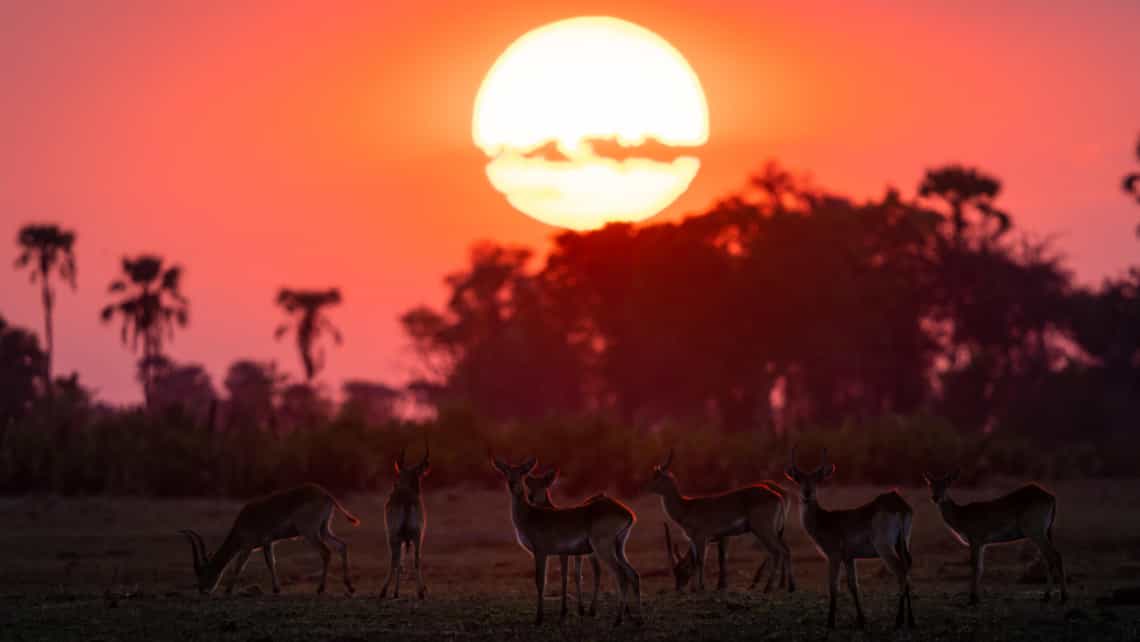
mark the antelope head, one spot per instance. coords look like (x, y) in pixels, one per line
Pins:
(409, 477)
(683, 566)
(662, 481)
(808, 481)
(538, 486)
(939, 485)
(203, 569)
(515, 475)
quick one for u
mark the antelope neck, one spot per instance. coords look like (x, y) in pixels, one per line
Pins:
(673, 501)
(218, 562)
(546, 501)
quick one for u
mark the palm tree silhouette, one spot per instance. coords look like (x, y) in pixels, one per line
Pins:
(153, 306)
(1131, 183)
(47, 248)
(306, 306)
(961, 187)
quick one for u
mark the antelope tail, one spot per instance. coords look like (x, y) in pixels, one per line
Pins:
(1052, 520)
(353, 519)
(902, 546)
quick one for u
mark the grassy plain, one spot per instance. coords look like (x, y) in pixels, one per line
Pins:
(115, 569)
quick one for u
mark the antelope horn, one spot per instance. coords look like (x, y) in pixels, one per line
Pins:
(400, 459)
(427, 451)
(193, 549)
(792, 460)
(823, 460)
(668, 461)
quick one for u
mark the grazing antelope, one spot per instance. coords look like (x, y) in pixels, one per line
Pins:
(758, 509)
(1026, 513)
(684, 565)
(600, 526)
(406, 520)
(538, 493)
(879, 528)
(305, 512)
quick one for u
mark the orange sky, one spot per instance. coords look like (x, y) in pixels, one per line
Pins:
(311, 144)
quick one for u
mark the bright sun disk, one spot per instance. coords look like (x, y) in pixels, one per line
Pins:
(583, 79)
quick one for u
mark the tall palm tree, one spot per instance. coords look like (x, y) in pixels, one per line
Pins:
(1132, 182)
(47, 248)
(152, 307)
(307, 309)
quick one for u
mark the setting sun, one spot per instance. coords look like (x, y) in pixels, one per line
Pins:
(590, 120)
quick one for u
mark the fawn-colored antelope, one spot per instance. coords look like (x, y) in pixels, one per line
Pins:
(879, 528)
(1026, 513)
(758, 509)
(538, 492)
(406, 520)
(302, 512)
(683, 564)
(600, 526)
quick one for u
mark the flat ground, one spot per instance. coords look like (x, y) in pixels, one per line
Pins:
(110, 569)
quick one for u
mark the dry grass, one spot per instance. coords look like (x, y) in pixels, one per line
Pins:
(108, 569)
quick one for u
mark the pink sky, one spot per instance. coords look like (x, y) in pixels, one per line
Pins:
(262, 144)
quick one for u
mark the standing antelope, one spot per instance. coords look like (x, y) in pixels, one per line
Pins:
(600, 526)
(538, 493)
(1026, 513)
(684, 565)
(305, 511)
(879, 528)
(406, 520)
(758, 509)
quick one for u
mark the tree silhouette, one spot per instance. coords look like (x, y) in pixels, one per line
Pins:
(499, 345)
(21, 364)
(153, 306)
(963, 189)
(47, 248)
(307, 308)
(1131, 182)
(253, 387)
(186, 388)
(371, 401)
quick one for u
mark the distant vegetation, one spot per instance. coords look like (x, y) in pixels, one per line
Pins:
(905, 332)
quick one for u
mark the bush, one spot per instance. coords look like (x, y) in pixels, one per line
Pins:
(171, 454)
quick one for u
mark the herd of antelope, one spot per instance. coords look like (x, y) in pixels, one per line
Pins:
(599, 527)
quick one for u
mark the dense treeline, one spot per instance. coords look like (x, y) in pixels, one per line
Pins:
(788, 307)
(905, 332)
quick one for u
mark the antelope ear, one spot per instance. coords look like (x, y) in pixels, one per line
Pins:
(790, 473)
(953, 477)
(528, 466)
(396, 466)
(827, 472)
(500, 466)
(551, 475)
(926, 478)
(424, 469)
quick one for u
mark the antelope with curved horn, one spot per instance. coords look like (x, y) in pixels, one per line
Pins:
(405, 519)
(538, 493)
(302, 512)
(600, 526)
(879, 528)
(684, 565)
(758, 509)
(1026, 513)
